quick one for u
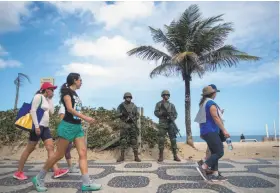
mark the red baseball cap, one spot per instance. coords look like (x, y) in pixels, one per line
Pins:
(47, 85)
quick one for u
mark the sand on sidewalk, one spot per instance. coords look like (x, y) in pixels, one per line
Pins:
(245, 150)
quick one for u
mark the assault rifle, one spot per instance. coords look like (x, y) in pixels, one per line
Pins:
(177, 131)
(129, 117)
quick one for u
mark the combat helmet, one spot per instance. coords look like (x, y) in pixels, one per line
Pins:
(165, 92)
(127, 94)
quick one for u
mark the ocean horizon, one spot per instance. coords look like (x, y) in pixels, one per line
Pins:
(259, 138)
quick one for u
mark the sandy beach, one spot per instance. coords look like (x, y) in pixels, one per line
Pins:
(241, 151)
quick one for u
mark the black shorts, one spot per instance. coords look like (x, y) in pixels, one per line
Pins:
(44, 135)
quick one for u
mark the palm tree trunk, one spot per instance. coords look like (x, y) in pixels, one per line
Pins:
(17, 94)
(188, 112)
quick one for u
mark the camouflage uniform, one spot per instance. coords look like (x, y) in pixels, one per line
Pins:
(129, 132)
(166, 127)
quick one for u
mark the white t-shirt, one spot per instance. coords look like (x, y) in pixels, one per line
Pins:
(47, 106)
(61, 110)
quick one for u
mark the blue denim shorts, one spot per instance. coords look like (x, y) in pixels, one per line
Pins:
(44, 135)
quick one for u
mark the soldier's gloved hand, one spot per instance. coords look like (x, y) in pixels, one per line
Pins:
(165, 114)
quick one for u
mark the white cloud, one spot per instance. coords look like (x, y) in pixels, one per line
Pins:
(108, 81)
(114, 14)
(9, 64)
(72, 7)
(130, 73)
(108, 72)
(237, 77)
(110, 14)
(6, 63)
(103, 48)
(3, 52)
(86, 69)
(131, 19)
(111, 67)
(251, 19)
(11, 13)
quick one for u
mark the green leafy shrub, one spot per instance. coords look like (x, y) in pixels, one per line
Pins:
(104, 130)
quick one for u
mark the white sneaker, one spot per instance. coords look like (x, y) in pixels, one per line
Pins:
(74, 169)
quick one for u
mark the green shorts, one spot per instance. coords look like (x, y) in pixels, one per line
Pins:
(70, 131)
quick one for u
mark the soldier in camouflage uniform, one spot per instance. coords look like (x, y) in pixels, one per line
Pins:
(165, 126)
(127, 112)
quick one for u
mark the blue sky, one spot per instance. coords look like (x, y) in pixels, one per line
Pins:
(51, 39)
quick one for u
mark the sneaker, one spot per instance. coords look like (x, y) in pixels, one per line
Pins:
(223, 178)
(74, 169)
(60, 172)
(209, 172)
(91, 187)
(202, 172)
(218, 178)
(20, 176)
(39, 185)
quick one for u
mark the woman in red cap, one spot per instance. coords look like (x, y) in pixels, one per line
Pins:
(42, 99)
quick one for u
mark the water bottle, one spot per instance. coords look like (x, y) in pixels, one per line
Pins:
(228, 140)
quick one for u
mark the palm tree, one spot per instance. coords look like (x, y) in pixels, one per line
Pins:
(19, 82)
(195, 45)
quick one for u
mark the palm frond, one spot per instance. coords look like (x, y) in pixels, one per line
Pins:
(166, 69)
(19, 81)
(211, 39)
(16, 81)
(179, 31)
(207, 23)
(160, 37)
(149, 53)
(199, 70)
(24, 76)
(190, 16)
(226, 56)
(174, 35)
(184, 27)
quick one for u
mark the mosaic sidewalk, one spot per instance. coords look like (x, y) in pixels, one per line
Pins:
(252, 175)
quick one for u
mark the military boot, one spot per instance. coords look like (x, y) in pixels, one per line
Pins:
(176, 158)
(121, 158)
(160, 157)
(136, 158)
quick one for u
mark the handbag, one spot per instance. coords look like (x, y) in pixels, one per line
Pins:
(222, 136)
(24, 120)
